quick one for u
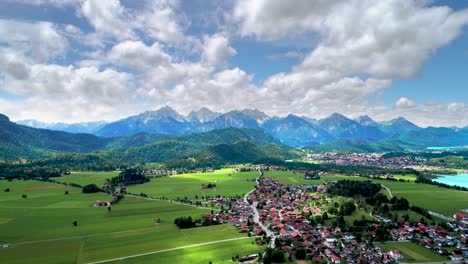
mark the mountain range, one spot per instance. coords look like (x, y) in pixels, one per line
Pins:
(291, 130)
(153, 128)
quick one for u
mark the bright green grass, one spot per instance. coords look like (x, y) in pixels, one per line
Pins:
(415, 217)
(434, 198)
(39, 228)
(87, 177)
(228, 183)
(216, 253)
(291, 178)
(412, 252)
(406, 177)
(358, 215)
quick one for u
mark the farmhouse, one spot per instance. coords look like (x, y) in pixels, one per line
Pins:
(101, 203)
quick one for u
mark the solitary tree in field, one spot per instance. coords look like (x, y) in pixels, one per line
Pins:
(75, 223)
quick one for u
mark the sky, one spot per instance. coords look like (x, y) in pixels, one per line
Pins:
(88, 60)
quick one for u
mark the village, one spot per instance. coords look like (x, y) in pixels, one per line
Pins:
(279, 216)
(370, 159)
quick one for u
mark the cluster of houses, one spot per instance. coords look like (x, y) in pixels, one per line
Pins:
(435, 238)
(278, 215)
(368, 159)
(159, 172)
(282, 210)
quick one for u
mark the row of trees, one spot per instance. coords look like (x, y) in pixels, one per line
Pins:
(354, 188)
(184, 222)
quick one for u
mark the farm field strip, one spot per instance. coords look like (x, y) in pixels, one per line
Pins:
(228, 183)
(169, 249)
(78, 237)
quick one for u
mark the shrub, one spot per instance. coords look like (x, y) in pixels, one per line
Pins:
(91, 188)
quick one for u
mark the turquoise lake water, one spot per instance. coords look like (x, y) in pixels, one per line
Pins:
(459, 179)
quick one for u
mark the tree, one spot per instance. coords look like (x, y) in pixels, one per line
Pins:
(277, 256)
(325, 216)
(300, 253)
(66, 192)
(75, 223)
(277, 243)
(359, 237)
(91, 188)
(24, 196)
(7, 190)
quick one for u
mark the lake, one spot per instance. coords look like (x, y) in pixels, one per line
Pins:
(459, 179)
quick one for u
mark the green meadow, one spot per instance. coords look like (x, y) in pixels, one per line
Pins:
(291, 178)
(412, 252)
(438, 199)
(228, 183)
(87, 177)
(39, 228)
(216, 253)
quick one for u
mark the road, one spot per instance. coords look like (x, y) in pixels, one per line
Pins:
(256, 216)
(388, 190)
(169, 249)
(441, 216)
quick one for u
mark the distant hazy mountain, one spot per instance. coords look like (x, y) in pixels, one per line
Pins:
(296, 132)
(365, 120)
(84, 127)
(257, 115)
(22, 141)
(233, 119)
(202, 115)
(163, 121)
(291, 130)
(398, 126)
(345, 128)
(18, 141)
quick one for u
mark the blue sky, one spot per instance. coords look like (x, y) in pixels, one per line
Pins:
(87, 60)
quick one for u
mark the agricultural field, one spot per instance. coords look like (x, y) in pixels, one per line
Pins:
(41, 225)
(412, 252)
(406, 177)
(216, 253)
(434, 198)
(228, 183)
(291, 178)
(87, 177)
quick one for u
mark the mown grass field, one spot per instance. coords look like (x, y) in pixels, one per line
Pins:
(228, 183)
(39, 228)
(412, 252)
(406, 177)
(442, 200)
(216, 253)
(87, 177)
(291, 178)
